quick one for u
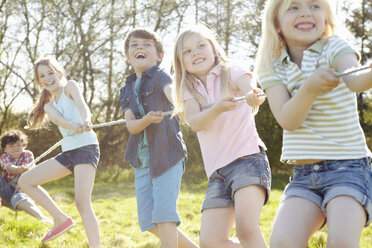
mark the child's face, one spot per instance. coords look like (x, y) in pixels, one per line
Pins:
(302, 23)
(48, 78)
(15, 149)
(142, 54)
(197, 55)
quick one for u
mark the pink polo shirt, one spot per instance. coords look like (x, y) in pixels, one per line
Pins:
(232, 134)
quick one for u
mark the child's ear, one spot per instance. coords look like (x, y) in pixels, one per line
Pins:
(160, 57)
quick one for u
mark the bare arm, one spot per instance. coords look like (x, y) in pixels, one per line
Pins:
(248, 87)
(357, 82)
(138, 125)
(291, 112)
(199, 120)
(74, 92)
(168, 92)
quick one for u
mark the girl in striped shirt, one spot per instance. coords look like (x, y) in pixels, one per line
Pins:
(297, 61)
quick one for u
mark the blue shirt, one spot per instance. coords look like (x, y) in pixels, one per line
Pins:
(143, 152)
(166, 146)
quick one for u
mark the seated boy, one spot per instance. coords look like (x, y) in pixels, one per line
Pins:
(13, 162)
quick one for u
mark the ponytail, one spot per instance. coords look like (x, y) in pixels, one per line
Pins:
(37, 115)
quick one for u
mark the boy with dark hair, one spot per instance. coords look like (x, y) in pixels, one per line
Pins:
(13, 162)
(155, 148)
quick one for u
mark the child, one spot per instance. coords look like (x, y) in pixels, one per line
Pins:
(155, 148)
(64, 104)
(234, 156)
(332, 181)
(12, 165)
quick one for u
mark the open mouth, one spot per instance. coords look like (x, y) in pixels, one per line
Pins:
(50, 83)
(140, 56)
(198, 61)
(305, 26)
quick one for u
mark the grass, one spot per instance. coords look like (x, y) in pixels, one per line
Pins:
(115, 205)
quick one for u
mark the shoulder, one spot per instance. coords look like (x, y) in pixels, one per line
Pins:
(71, 86)
(161, 74)
(48, 106)
(161, 78)
(237, 72)
(335, 43)
(123, 91)
(28, 153)
(4, 156)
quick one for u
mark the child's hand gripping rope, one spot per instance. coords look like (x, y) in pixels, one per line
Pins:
(236, 99)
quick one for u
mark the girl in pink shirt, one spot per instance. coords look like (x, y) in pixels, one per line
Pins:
(234, 156)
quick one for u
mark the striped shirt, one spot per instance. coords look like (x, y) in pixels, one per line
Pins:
(331, 130)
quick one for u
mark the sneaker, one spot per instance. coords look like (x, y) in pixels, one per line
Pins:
(59, 230)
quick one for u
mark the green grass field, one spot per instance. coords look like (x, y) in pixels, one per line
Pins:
(115, 205)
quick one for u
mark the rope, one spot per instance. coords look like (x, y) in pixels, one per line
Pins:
(341, 74)
(105, 124)
(36, 160)
(236, 99)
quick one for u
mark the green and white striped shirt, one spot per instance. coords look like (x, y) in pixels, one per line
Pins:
(331, 129)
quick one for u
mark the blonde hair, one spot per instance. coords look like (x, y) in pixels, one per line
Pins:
(272, 42)
(185, 79)
(37, 114)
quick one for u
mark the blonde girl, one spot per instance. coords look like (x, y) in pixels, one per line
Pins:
(234, 156)
(298, 57)
(63, 103)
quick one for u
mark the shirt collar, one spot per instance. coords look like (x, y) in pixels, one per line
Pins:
(149, 72)
(315, 47)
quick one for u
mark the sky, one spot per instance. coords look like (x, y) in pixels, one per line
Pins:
(24, 103)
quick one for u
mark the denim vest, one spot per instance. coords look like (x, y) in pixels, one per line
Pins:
(166, 146)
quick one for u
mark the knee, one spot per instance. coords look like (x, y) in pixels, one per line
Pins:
(82, 205)
(247, 232)
(207, 241)
(340, 242)
(281, 241)
(22, 182)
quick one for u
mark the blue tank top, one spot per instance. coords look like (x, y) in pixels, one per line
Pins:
(69, 111)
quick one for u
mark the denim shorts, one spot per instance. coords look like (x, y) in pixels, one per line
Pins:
(248, 170)
(323, 181)
(9, 198)
(82, 155)
(157, 197)
(19, 197)
(6, 192)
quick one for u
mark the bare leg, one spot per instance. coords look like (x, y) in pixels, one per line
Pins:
(345, 218)
(215, 228)
(31, 180)
(33, 210)
(296, 220)
(248, 206)
(84, 181)
(183, 240)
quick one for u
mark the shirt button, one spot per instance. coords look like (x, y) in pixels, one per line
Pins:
(144, 104)
(316, 167)
(147, 93)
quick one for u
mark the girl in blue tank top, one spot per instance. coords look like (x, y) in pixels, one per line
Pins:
(65, 106)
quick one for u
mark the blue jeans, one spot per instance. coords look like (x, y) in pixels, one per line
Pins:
(323, 181)
(157, 197)
(6, 192)
(248, 170)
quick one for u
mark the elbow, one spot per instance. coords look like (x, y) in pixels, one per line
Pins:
(195, 128)
(289, 126)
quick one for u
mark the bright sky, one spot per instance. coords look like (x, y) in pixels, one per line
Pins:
(240, 58)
